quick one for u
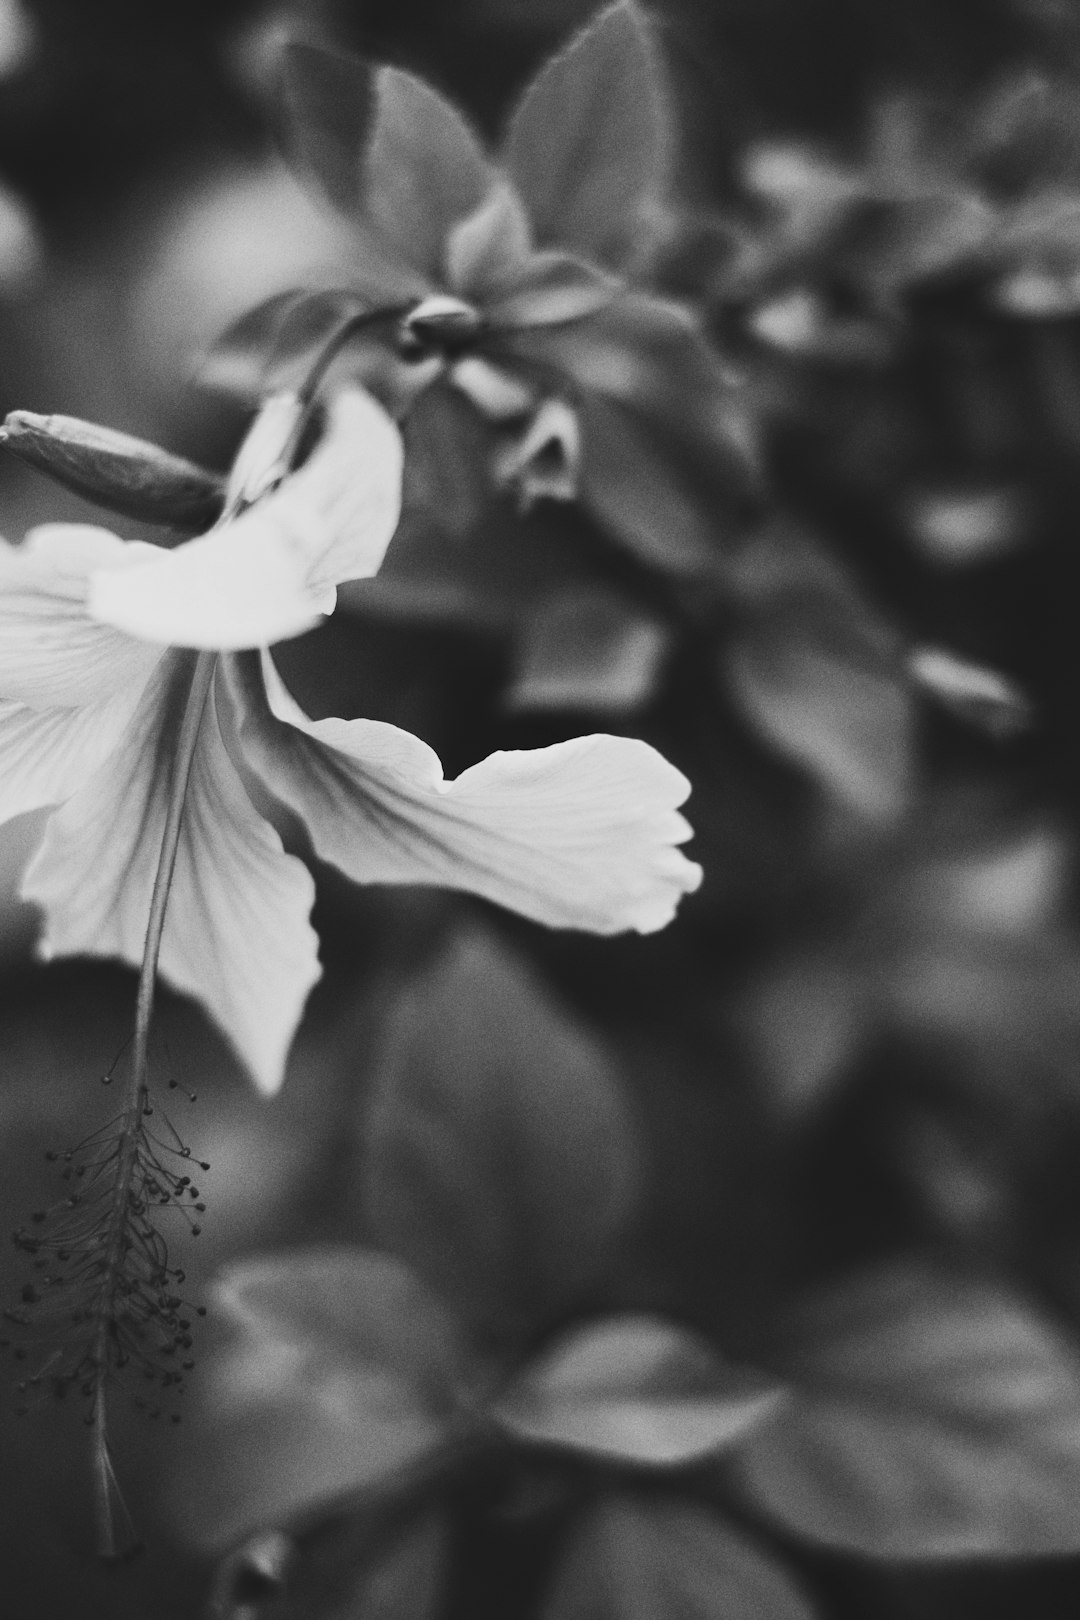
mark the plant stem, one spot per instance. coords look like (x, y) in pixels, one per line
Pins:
(195, 704)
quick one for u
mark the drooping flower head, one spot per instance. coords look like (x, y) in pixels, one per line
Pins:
(102, 641)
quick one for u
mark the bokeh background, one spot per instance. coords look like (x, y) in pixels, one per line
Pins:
(862, 1039)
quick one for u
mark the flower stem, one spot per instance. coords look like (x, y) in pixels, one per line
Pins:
(136, 1100)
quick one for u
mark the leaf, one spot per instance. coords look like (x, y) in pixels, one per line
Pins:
(589, 145)
(636, 491)
(341, 1375)
(591, 650)
(552, 290)
(275, 345)
(501, 1164)
(643, 1560)
(932, 1416)
(361, 1569)
(668, 459)
(979, 696)
(328, 104)
(635, 1389)
(822, 691)
(423, 171)
(447, 450)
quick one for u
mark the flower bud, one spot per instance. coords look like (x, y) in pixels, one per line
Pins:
(114, 469)
(443, 321)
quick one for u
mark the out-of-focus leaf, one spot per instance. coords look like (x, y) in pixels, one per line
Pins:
(980, 696)
(274, 345)
(652, 354)
(590, 650)
(806, 1020)
(447, 451)
(328, 104)
(489, 247)
(961, 526)
(361, 1569)
(500, 1161)
(932, 1416)
(589, 145)
(634, 1388)
(404, 1583)
(342, 1371)
(555, 288)
(639, 494)
(423, 170)
(490, 578)
(829, 698)
(643, 1560)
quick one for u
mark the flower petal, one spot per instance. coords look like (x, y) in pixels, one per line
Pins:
(52, 655)
(47, 754)
(236, 932)
(579, 835)
(271, 572)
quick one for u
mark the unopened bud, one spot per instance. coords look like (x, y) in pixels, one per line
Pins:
(116, 470)
(443, 321)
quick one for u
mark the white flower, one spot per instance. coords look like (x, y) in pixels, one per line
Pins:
(94, 673)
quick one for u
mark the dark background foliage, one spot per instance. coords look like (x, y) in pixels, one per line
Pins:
(851, 1067)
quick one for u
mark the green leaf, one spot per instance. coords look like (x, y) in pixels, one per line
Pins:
(663, 1560)
(423, 171)
(932, 1416)
(341, 1372)
(590, 649)
(636, 1389)
(589, 145)
(818, 685)
(501, 1163)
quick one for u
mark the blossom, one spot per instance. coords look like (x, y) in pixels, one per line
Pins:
(516, 286)
(96, 660)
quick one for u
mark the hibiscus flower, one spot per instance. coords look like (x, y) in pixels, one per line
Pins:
(137, 698)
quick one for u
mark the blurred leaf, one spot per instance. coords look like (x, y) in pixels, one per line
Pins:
(365, 1569)
(501, 1163)
(932, 1416)
(553, 289)
(981, 697)
(807, 1020)
(653, 354)
(824, 694)
(404, 1583)
(637, 1389)
(447, 451)
(423, 171)
(274, 344)
(589, 145)
(341, 1373)
(643, 1560)
(638, 494)
(490, 246)
(328, 102)
(587, 650)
